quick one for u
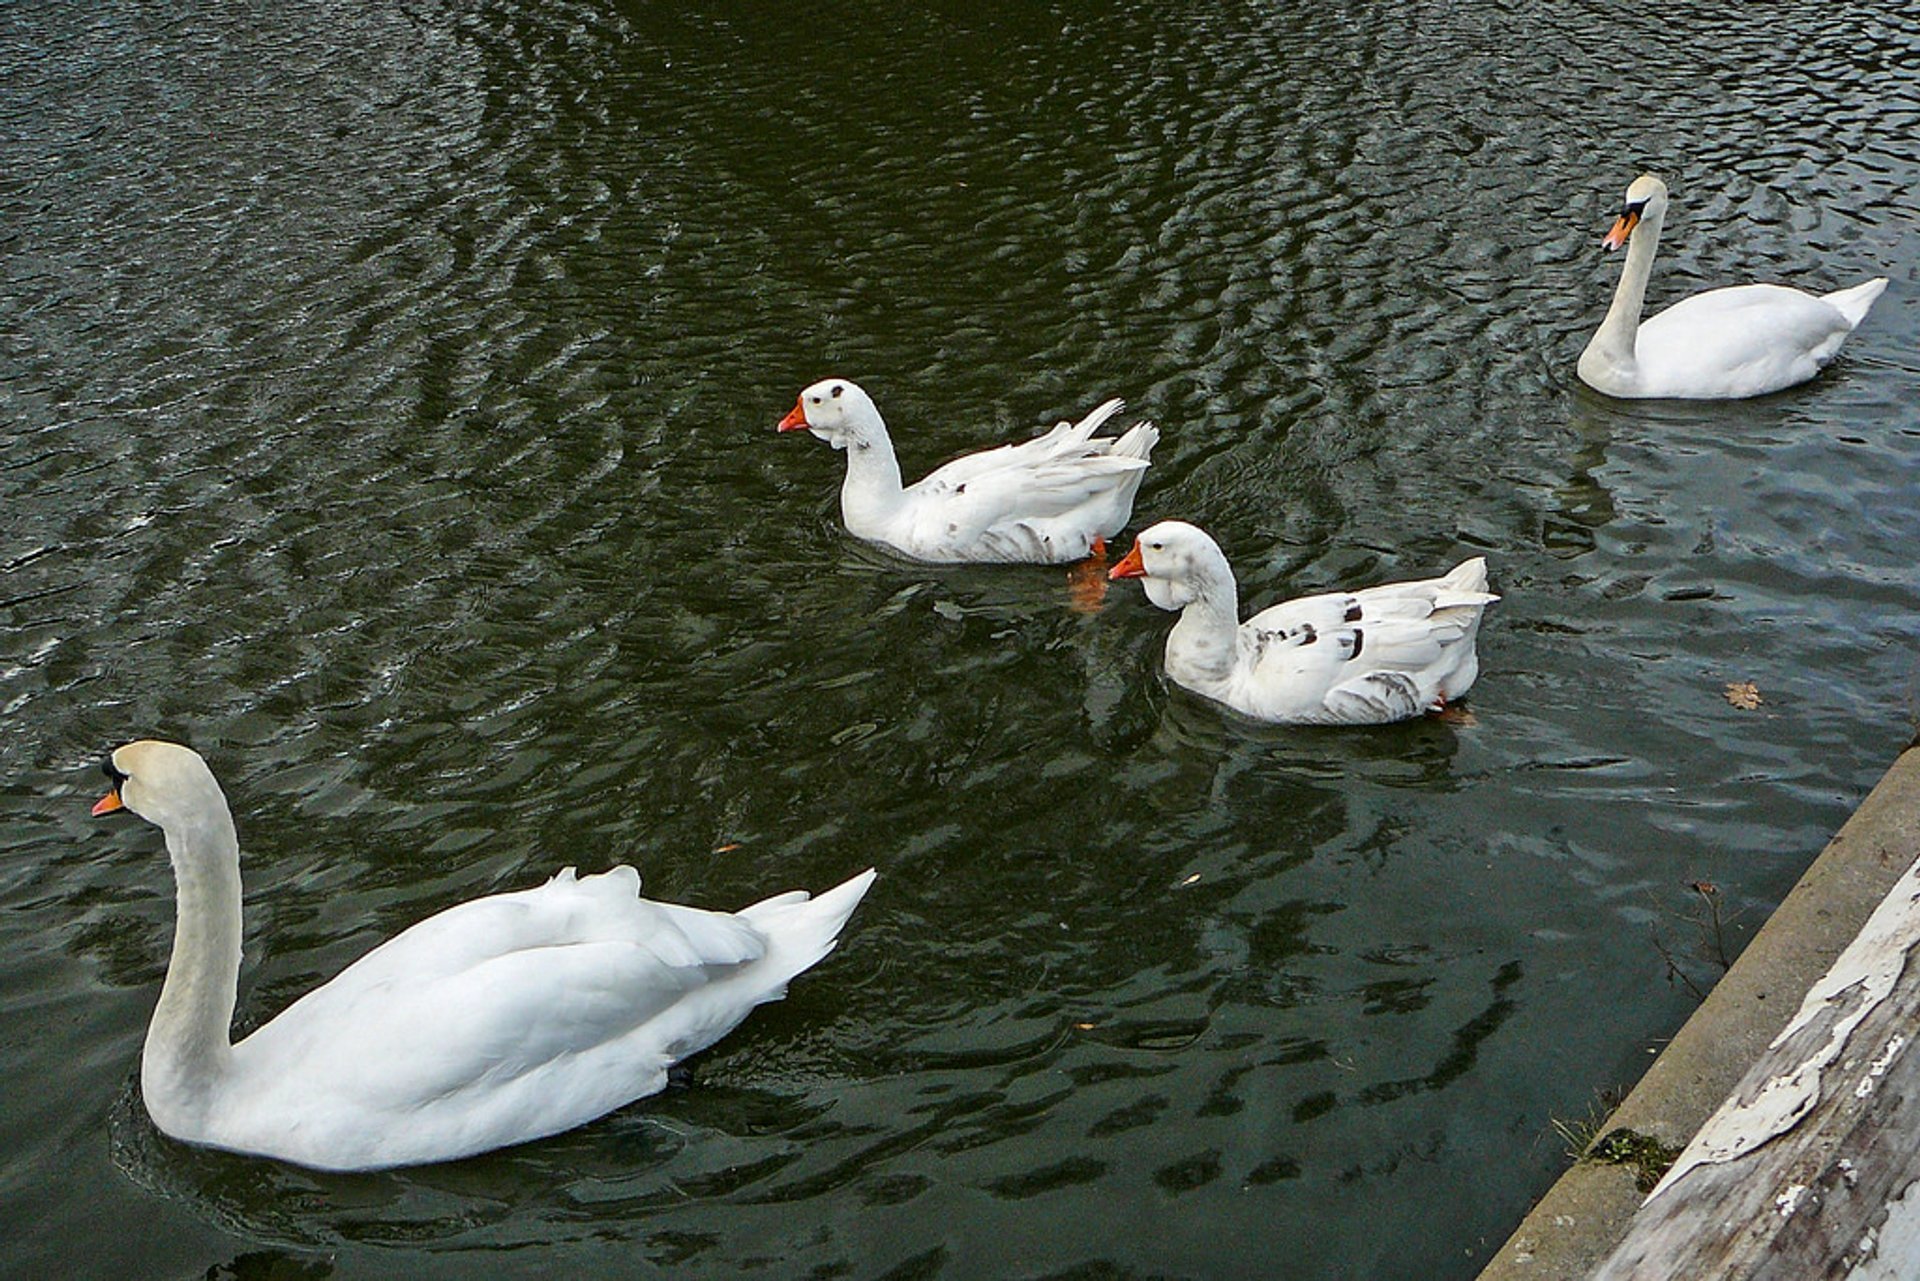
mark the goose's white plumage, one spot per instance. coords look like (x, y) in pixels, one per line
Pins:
(1047, 500)
(1724, 344)
(1364, 657)
(503, 1019)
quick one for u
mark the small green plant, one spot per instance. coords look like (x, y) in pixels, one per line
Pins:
(1649, 1158)
(1578, 1135)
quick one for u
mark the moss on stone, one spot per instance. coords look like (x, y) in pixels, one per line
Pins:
(1649, 1157)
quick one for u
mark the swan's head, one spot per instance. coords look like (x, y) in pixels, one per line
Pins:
(1646, 201)
(1176, 563)
(164, 783)
(836, 411)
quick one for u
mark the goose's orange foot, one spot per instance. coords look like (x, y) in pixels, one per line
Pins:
(1087, 580)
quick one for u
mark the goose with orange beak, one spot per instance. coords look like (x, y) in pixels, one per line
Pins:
(1049, 500)
(1364, 657)
(1724, 344)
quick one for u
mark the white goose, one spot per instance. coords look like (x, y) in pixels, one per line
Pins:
(502, 1019)
(1052, 499)
(1367, 657)
(1724, 344)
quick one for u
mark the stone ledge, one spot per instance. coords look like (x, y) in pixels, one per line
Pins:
(1584, 1215)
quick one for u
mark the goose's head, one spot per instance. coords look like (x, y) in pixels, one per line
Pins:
(1646, 201)
(1176, 563)
(164, 783)
(836, 411)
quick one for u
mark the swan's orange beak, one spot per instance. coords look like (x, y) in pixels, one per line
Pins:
(1622, 228)
(108, 804)
(1131, 567)
(796, 419)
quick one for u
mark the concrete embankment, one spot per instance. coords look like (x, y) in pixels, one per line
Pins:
(1584, 1215)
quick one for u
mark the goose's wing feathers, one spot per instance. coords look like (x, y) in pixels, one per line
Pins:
(1044, 499)
(1064, 440)
(1026, 492)
(1372, 655)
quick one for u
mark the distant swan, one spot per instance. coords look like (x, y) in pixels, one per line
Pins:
(1724, 344)
(1048, 500)
(502, 1019)
(1366, 657)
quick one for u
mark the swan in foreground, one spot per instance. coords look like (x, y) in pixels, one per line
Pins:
(1724, 344)
(1367, 657)
(503, 1019)
(1049, 500)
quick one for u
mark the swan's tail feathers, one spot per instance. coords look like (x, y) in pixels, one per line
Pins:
(1137, 442)
(1853, 303)
(802, 928)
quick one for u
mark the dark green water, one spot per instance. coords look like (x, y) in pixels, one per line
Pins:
(388, 395)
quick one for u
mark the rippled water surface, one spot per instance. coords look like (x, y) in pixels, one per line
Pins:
(388, 395)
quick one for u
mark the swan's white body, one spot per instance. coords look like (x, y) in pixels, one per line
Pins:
(1366, 657)
(504, 1019)
(1724, 344)
(1045, 501)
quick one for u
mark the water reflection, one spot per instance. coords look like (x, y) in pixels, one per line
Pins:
(391, 400)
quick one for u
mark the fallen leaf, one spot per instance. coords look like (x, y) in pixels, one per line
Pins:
(1191, 879)
(1744, 695)
(728, 848)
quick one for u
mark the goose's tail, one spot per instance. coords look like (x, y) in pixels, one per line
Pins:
(1464, 584)
(1137, 441)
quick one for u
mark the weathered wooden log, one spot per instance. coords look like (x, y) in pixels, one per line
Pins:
(1811, 1168)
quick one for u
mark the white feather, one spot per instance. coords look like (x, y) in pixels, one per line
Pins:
(1724, 344)
(1045, 500)
(502, 1019)
(1379, 654)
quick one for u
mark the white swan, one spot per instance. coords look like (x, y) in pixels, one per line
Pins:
(1052, 499)
(1724, 344)
(502, 1019)
(1367, 657)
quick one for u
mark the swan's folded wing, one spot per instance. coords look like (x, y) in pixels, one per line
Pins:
(1740, 341)
(398, 1038)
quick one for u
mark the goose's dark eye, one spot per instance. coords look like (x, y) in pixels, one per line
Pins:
(1154, 547)
(815, 399)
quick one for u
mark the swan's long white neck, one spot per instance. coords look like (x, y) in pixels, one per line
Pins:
(872, 491)
(1617, 333)
(1203, 646)
(187, 1052)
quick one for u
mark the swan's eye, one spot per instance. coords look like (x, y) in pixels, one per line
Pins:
(1156, 547)
(814, 399)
